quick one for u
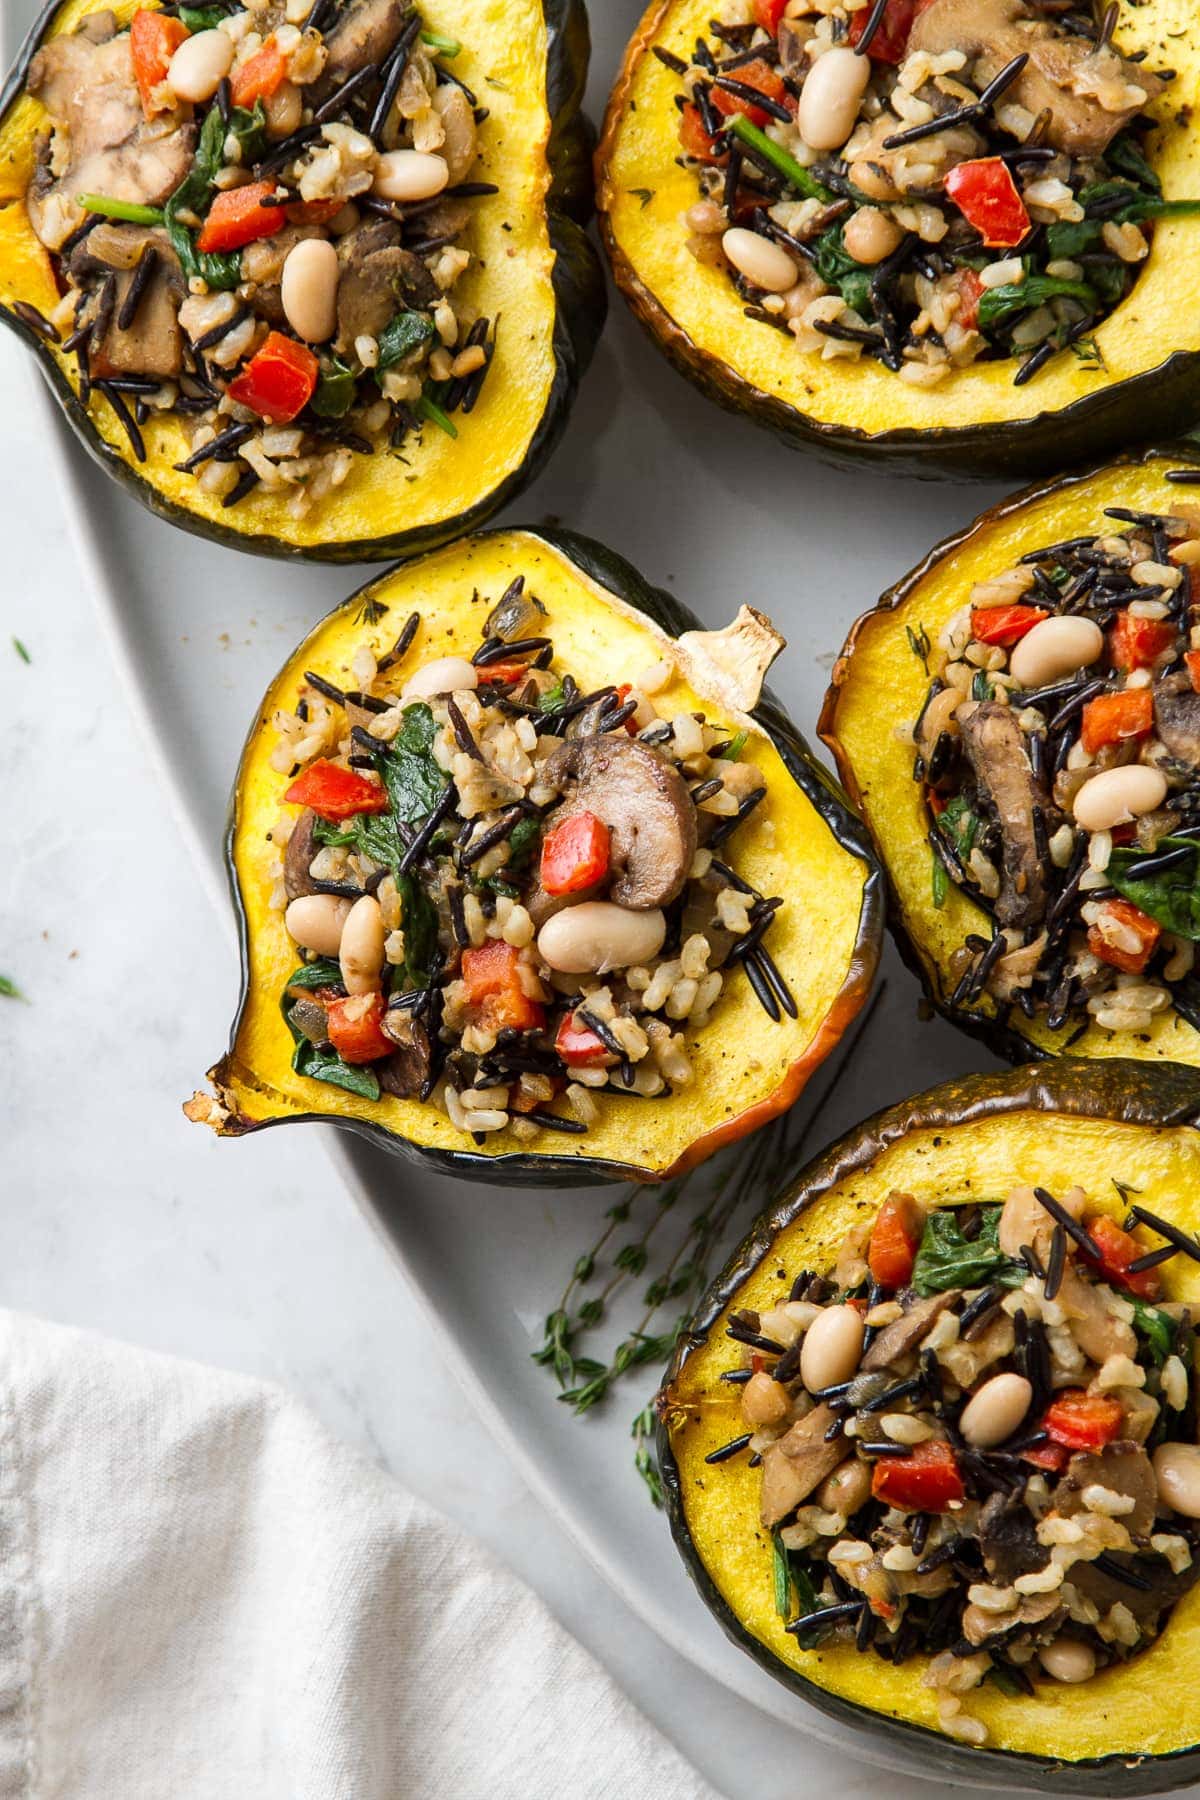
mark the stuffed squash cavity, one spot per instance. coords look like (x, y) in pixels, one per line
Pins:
(531, 882)
(311, 283)
(930, 1444)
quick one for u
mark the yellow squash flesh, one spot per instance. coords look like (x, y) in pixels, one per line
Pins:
(746, 1068)
(441, 479)
(1144, 1708)
(877, 691)
(698, 317)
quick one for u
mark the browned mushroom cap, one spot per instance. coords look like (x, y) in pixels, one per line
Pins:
(405, 1072)
(301, 848)
(643, 800)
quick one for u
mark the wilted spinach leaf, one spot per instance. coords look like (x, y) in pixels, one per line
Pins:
(1171, 896)
(946, 1259)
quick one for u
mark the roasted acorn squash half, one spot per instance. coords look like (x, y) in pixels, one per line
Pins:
(1131, 1729)
(877, 690)
(801, 842)
(533, 265)
(1146, 383)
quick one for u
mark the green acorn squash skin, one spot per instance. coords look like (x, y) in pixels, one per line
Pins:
(568, 323)
(835, 954)
(1065, 416)
(858, 718)
(1142, 1116)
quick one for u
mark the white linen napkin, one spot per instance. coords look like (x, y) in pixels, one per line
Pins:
(205, 1597)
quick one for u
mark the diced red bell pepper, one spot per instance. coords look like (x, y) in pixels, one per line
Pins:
(1192, 664)
(1135, 643)
(1132, 918)
(575, 854)
(1053, 1457)
(894, 1241)
(768, 13)
(154, 38)
(578, 1044)
(1004, 625)
(260, 76)
(278, 381)
(623, 693)
(989, 199)
(237, 216)
(1118, 1249)
(494, 992)
(970, 289)
(503, 672)
(696, 140)
(937, 803)
(891, 36)
(356, 1027)
(927, 1481)
(764, 80)
(335, 792)
(1083, 1421)
(1111, 718)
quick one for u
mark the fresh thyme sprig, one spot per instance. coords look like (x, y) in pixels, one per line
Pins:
(717, 1198)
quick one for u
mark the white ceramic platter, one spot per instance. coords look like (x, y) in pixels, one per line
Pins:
(713, 509)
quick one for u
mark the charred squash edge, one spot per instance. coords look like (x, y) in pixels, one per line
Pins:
(1157, 402)
(1132, 1094)
(1005, 1040)
(580, 308)
(611, 572)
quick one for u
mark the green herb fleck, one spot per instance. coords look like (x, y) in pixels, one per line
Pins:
(444, 46)
(782, 1577)
(9, 989)
(918, 643)
(370, 612)
(21, 651)
(645, 195)
(779, 158)
(1158, 1329)
(429, 409)
(335, 390)
(733, 749)
(129, 210)
(939, 882)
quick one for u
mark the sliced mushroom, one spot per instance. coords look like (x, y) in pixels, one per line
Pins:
(1008, 1539)
(903, 1335)
(405, 1072)
(151, 343)
(364, 33)
(643, 800)
(1123, 1467)
(995, 747)
(1177, 718)
(797, 1463)
(1098, 1332)
(378, 279)
(301, 848)
(1081, 86)
(90, 93)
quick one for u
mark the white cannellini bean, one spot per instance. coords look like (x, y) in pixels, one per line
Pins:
(1054, 648)
(200, 64)
(445, 675)
(1068, 1659)
(361, 951)
(871, 235)
(1115, 796)
(410, 175)
(763, 263)
(829, 98)
(994, 1413)
(832, 1347)
(599, 935)
(316, 921)
(308, 289)
(1177, 1472)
